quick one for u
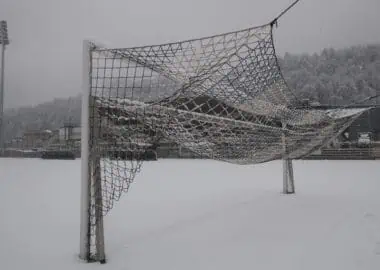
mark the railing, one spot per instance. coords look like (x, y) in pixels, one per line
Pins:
(367, 153)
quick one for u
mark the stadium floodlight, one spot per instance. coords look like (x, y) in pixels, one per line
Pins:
(4, 33)
(4, 41)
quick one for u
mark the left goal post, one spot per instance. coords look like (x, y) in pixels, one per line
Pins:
(91, 217)
(85, 236)
(84, 252)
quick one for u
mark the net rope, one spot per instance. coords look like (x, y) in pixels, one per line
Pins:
(222, 97)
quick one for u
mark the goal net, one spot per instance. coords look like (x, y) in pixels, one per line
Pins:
(221, 97)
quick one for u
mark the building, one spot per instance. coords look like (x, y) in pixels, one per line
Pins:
(69, 133)
(36, 138)
(366, 123)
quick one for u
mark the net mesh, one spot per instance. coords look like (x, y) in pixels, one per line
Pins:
(222, 97)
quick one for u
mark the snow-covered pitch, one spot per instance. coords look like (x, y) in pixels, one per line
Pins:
(197, 214)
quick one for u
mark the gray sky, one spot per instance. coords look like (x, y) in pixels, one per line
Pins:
(44, 58)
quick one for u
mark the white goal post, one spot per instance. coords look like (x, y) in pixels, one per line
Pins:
(84, 252)
(91, 187)
(287, 168)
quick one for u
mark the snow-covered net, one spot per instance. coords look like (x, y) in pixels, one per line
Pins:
(222, 97)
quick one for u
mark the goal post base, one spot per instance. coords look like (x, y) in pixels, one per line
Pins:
(101, 261)
(91, 260)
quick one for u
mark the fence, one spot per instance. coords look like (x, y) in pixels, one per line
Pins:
(369, 153)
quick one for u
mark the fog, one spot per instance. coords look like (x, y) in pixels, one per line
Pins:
(44, 58)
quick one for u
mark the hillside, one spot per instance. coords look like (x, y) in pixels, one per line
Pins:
(335, 77)
(49, 115)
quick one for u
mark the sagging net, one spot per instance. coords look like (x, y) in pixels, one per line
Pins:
(222, 97)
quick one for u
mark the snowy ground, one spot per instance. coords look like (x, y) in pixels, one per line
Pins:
(182, 215)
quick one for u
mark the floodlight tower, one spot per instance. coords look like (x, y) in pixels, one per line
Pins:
(4, 41)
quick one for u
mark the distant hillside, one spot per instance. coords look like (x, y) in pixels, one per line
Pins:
(333, 77)
(49, 115)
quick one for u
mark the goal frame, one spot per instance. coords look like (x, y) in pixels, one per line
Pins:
(91, 218)
(92, 244)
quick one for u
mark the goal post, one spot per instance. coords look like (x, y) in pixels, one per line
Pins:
(288, 176)
(287, 166)
(91, 227)
(84, 253)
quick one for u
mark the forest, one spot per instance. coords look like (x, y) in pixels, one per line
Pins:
(335, 77)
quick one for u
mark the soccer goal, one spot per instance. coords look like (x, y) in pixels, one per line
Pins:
(222, 97)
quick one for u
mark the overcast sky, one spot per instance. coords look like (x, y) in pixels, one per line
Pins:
(44, 58)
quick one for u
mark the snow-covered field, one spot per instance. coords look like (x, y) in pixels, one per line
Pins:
(196, 214)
